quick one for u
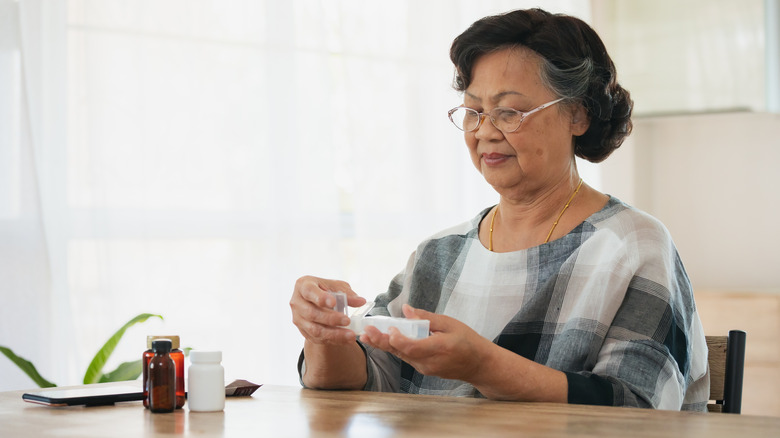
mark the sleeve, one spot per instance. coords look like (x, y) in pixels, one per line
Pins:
(384, 371)
(379, 367)
(383, 368)
(654, 350)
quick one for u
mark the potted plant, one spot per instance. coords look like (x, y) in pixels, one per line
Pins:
(94, 374)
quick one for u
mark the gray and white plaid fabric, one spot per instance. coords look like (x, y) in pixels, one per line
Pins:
(609, 304)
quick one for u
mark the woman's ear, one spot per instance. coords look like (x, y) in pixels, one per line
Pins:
(580, 121)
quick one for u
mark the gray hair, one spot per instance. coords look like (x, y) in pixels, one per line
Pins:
(569, 83)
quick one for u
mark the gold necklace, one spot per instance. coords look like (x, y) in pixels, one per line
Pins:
(555, 224)
(490, 238)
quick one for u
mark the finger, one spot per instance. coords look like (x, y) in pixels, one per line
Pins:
(409, 312)
(324, 285)
(375, 338)
(439, 323)
(414, 349)
(355, 300)
(398, 342)
(334, 285)
(321, 334)
(307, 311)
(311, 289)
(408, 349)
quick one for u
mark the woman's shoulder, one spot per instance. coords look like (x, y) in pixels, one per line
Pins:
(628, 221)
(637, 241)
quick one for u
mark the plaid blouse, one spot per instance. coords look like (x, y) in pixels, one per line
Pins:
(609, 304)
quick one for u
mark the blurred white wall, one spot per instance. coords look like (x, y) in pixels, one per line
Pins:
(713, 180)
(703, 154)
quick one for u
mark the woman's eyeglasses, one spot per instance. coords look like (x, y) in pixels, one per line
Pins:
(505, 119)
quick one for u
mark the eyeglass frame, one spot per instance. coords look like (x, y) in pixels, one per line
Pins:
(482, 116)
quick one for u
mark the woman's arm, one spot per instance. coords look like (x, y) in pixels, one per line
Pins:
(332, 357)
(506, 375)
(330, 366)
(455, 351)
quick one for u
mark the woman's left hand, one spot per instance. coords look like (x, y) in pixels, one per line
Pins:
(453, 351)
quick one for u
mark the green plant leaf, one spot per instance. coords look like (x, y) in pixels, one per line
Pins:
(95, 368)
(27, 367)
(125, 371)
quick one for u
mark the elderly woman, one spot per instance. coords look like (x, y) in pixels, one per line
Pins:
(559, 293)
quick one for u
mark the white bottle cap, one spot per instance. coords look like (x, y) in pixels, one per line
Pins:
(341, 302)
(205, 356)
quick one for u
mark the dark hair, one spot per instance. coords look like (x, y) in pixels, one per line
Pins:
(575, 65)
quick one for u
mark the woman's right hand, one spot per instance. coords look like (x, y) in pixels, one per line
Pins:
(313, 314)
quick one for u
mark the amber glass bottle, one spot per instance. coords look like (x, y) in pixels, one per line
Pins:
(178, 358)
(162, 378)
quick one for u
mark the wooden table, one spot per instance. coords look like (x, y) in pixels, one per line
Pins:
(279, 411)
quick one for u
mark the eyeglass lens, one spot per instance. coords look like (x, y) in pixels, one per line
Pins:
(504, 119)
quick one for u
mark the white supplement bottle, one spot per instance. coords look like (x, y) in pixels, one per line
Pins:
(206, 382)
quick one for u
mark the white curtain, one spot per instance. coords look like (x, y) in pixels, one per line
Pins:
(35, 314)
(193, 158)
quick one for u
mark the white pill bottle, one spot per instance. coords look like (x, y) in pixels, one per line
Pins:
(206, 382)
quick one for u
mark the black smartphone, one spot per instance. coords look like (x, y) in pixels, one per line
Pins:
(98, 395)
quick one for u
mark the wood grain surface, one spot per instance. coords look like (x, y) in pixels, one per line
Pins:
(279, 411)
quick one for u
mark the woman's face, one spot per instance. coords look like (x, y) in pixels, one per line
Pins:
(540, 153)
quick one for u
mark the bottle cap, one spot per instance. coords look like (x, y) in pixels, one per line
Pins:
(161, 345)
(205, 356)
(173, 338)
